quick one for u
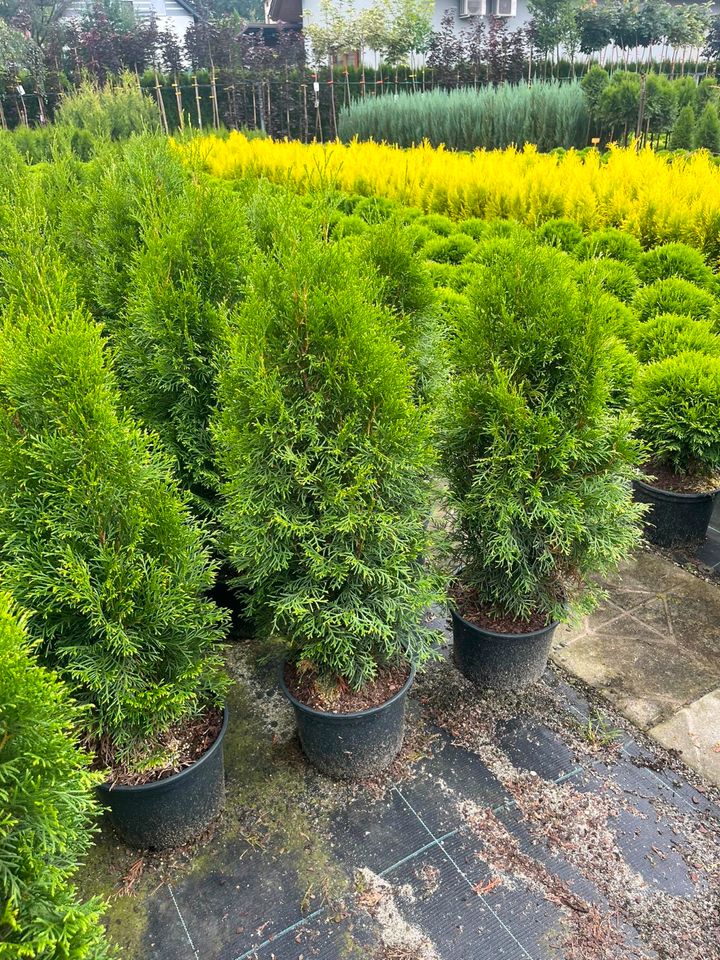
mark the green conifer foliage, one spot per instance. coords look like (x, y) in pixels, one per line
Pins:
(189, 272)
(707, 134)
(676, 260)
(46, 809)
(682, 136)
(96, 540)
(538, 462)
(403, 286)
(561, 233)
(677, 401)
(328, 457)
(611, 243)
(101, 222)
(674, 295)
(668, 334)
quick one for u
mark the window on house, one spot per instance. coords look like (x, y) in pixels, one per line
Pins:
(489, 8)
(502, 8)
(472, 8)
(349, 60)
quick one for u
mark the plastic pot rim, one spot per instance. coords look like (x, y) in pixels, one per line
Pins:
(675, 496)
(357, 714)
(506, 636)
(160, 785)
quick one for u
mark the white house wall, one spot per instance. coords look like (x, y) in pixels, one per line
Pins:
(313, 15)
(521, 17)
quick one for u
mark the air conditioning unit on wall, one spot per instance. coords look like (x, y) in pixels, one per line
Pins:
(472, 8)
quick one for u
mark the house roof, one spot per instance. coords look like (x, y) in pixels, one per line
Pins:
(290, 11)
(189, 7)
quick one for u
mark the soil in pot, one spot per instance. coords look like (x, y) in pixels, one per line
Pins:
(680, 507)
(172, 805)
(497, 651)
(346, 733)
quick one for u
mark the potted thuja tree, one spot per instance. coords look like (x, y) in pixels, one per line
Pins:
(677, 403)
(539, 465)
(47, 809)
(327, 455)
(98, 545)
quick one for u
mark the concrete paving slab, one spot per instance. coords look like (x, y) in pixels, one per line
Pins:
(695, 733)
(653, 647)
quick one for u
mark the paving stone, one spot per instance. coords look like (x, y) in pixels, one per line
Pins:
(695, 733)
(652, 649)
(637, 672)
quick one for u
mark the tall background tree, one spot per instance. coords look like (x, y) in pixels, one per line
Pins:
(40, 18)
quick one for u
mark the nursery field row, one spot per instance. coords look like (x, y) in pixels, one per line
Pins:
(219, 380)
(653, 197)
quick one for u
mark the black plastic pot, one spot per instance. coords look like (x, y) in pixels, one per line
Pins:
(501, 661)
(173, 811)
(351, 746)
(675, 519)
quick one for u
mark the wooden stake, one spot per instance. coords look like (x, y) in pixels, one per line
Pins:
(178, 101)
(161, 105)
(305, 112)
(213, 97)
(197, 101)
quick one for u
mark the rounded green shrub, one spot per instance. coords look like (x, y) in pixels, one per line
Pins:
(623, 368)
(34, 144)
(328, 459)
(404, 279)
(538, 462)
(452, 249)
(347, 203)
(611, 276)
(442, 274)
(561, 233)
(474, 227)
(674, 296)
(462, 276)
(668, 334)
(375, 209)
(409, 214)
(419, 236)
(270, 210)
(677, 402)
(676, 260)
(114, 111)
(97, 542)
(450, 303)
(439, 224)
(611, 243)
(617, 318)
(349, 226)
(47, 812)
(508, 230)
(490, 250)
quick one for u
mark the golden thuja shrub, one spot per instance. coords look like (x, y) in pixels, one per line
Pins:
(653, 197)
